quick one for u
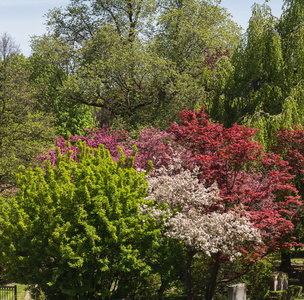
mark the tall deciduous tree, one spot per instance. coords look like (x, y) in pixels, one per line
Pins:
(135, 60)
(24, 131)
(47, 77)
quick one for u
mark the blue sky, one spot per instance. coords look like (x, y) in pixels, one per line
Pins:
(24, 18)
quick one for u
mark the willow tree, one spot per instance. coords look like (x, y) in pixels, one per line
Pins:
(135, 60)
(264, 86)
(264, 82)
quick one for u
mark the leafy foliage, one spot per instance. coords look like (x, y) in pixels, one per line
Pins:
(24, 131)
(75, 229)
(246, 176)
(262, 85)
(47, 78)
(83, 223)
(152, 145)
(289, 144)
(134, 61)
(250, 181)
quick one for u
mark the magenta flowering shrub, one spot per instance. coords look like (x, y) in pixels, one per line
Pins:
(93, 138)
(159, 148)
(152, 144)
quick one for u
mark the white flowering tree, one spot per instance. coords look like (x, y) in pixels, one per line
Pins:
(195, 216)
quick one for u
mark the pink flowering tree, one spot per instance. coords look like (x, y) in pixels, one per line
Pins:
(152, 145)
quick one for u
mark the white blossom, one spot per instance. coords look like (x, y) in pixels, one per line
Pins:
(189, 217)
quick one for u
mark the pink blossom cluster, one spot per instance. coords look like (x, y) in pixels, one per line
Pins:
(93, 138)
(152, 144)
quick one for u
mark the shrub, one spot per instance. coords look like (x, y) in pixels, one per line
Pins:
(75, 229)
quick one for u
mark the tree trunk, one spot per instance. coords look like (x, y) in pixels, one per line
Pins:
(161, 290)
(212, 281)
(188, 275)
(285, 261)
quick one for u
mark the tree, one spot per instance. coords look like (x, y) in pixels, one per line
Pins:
(125, 60)
(289, 144)
(249, 180)
(8, 47)
(191, 218)
(263, 82)
(187, 31)
(152, 144)
(24, 131)
(75, 229)
(48, 78)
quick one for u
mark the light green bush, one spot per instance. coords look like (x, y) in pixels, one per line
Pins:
(75, 229)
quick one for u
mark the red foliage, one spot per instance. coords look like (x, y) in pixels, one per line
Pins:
(211, 58)
(249, 178)
(290, 145)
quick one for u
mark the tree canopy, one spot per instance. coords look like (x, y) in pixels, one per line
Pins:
(263, 82)
(24, 130)
(135, 60)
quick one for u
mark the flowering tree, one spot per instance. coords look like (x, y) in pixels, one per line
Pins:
(153, 145)
(248, 179)
(191, 218)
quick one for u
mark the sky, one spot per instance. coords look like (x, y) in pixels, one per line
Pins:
(22, 19)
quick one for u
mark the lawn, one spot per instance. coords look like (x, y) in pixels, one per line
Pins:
(21, 290)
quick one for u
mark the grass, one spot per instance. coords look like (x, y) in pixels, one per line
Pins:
(21, 290)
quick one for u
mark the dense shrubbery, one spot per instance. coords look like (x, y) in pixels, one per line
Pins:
(75, 229)
(89, 223)
(92, 228)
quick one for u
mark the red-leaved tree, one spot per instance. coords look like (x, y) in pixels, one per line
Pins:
(248, 179)
(290, 145)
